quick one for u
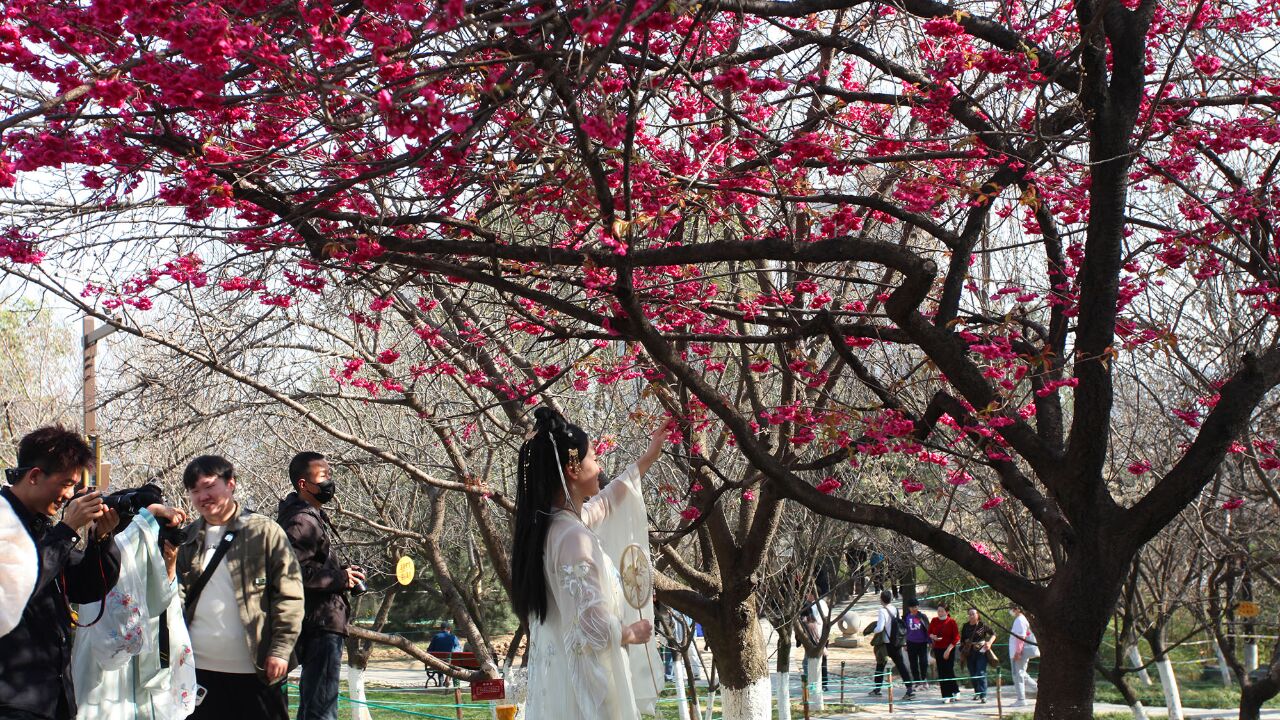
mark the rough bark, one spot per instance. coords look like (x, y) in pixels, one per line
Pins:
(1257, 692)
(738, 646)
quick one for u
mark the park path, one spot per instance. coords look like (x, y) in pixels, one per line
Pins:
(935, 710)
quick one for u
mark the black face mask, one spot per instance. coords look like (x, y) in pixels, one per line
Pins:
(325, 491)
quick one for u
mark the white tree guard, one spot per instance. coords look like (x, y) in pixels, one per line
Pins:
(783, 686)
(1139, 712)
(682, 697)
(355, 690)
(816, 700)
(1251, 655)
(1169, 681)
(1135, 661)
(753, 702)
(1223, 669)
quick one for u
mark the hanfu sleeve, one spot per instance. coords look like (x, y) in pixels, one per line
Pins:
(591, 627)
(600, 506)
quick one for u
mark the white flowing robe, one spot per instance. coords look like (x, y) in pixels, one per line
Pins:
(19, 566)
(116, 663)
(578, 668)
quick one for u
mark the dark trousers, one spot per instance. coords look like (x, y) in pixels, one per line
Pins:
(894, 654)
(60, 712)
(320, 653)
(9, 714)
(946, 672)
(918, 659)
(236, 696)
(978, 671)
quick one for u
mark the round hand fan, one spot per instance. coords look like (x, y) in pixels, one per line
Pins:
(637, 576)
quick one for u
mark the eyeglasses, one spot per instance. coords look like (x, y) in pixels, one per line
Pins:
(14, 475)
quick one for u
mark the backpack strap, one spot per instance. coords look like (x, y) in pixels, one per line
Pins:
(193, 595)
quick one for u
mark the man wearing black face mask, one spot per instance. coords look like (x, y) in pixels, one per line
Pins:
(325, 583)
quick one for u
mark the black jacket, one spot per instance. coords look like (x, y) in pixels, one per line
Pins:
(35, 658)
(324, 576)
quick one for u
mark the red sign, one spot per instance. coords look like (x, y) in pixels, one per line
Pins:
(488, 690)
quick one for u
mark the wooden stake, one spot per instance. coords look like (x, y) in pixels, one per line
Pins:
(457, 700)
(890, 694)
(804, 697)
(999, 701)
(841, 682)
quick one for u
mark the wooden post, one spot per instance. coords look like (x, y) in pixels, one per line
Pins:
(841, 682)
(457, 700)
(890, 694)
(999, 700)
(804, 697)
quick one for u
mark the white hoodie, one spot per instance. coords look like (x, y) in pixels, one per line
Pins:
(19, 566)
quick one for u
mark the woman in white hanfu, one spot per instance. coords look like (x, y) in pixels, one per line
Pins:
(591, 655)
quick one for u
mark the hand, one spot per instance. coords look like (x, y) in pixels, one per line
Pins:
(83, 510)
(170, 553)
(106, 523)
(276, 669)
(354, 575)
(1017, 655)
(656, 442)
(947, 653)
(637, 633)
(165, 515)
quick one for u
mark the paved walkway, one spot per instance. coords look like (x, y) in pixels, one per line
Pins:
(933, 709)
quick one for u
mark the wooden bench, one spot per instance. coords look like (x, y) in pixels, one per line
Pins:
(465, 660)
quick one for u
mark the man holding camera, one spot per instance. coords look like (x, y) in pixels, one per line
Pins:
(35, 657)
(242, 599)
(325, 582)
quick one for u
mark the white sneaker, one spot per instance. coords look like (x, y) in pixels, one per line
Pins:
(1020, 703)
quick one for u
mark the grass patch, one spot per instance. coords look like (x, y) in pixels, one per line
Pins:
(410, 704)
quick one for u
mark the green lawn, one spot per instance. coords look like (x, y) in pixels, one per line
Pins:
(404, 705)
(407, 704)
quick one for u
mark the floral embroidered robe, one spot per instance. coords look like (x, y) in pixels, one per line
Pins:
(578, 668)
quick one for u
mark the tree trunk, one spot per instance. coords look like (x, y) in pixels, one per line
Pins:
(784, 674)
(1117, 678)
(813, 678)
(355, 690)
(1223, 668)
(682, 697)
(1069, 625)
(1066, 678)
(1254, 694)
(738, 646)
(1135, 661)
(1168, 680)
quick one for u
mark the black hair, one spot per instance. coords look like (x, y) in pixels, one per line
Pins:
(300, 464)
(537, 482)
(205, 466)
(54, 449)
(886, 597)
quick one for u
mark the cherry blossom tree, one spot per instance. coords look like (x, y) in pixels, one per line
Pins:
(940, 243)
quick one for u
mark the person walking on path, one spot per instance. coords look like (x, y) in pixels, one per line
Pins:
(975, 646)
(946, 638)
(242, 597)
(918, 644)
(325, 583)
(888, 637)
(1022, 649)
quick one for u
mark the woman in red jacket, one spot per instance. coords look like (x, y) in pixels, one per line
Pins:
(945, 635)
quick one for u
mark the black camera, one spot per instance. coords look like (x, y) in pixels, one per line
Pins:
(359, 588)
(128, 502)
(176, 535)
